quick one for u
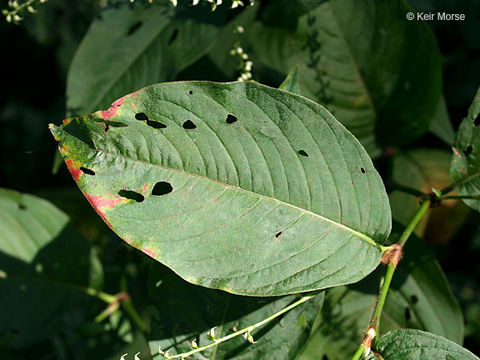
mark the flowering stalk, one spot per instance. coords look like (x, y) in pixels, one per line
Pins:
(13, 14)
(246, 332)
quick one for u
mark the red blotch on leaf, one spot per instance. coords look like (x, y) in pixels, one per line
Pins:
(66, 121)
(112, 111)
(150, 252)
(74, 170)
(100, 204)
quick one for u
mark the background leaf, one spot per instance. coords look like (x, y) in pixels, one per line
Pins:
(408, 344)
(386, 96)
(133, 45)
(465, 168)
(44, 266)
(204, 178)
(291, 82)
(194, 310)
(420, 297)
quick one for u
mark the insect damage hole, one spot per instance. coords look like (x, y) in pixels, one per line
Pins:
(468, 150)
(231, 119)
(133, 29)
(277, 235)
(162, 188)
(190, 92)
(302, 153)
(363, 170)
(189, 125)
(408, 315)
(414, 299)
(131, 195)
(87, 171)
(141, 116)
(173, 36)
(156, 124)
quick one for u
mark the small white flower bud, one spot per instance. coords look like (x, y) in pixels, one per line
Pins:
(31, 9)
(239, 50)
(194, 344)
(123, 356)
(136, 356)
(211, 333)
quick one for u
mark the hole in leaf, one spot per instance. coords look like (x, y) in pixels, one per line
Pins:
(476, 122)
(468, 150)
(190, 92)
(277, 235)
(141, 116)
(133, 29)
(363, 170)
(414, 299)
(325, 357)
(22, 207)
(302, 153)
(107, 127)
(87, 171)
(173, 36)
(131, 195)
(231, 119)
(189, 125)
(156, 125)
(162, 188)
(114, 123)
(408, 316)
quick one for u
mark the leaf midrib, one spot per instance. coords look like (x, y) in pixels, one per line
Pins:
(358, 234)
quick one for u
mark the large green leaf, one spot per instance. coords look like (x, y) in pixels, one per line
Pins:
(44, 265)
(134, 45)
(409, 344)
(465, 168)
(235, 186)
(420, 297)
(194, 310)
(385, 82)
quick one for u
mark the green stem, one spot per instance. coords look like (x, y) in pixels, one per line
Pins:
(246, 330)
(358, 355)
(365, 346)
(127, 305)
(472, 197)
(109, 299)
(414, 222)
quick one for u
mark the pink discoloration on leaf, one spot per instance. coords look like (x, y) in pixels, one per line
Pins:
(99, 201)
(100, 204)
(150, 252)
(112, 111)
(74, 169)
(457, 153)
